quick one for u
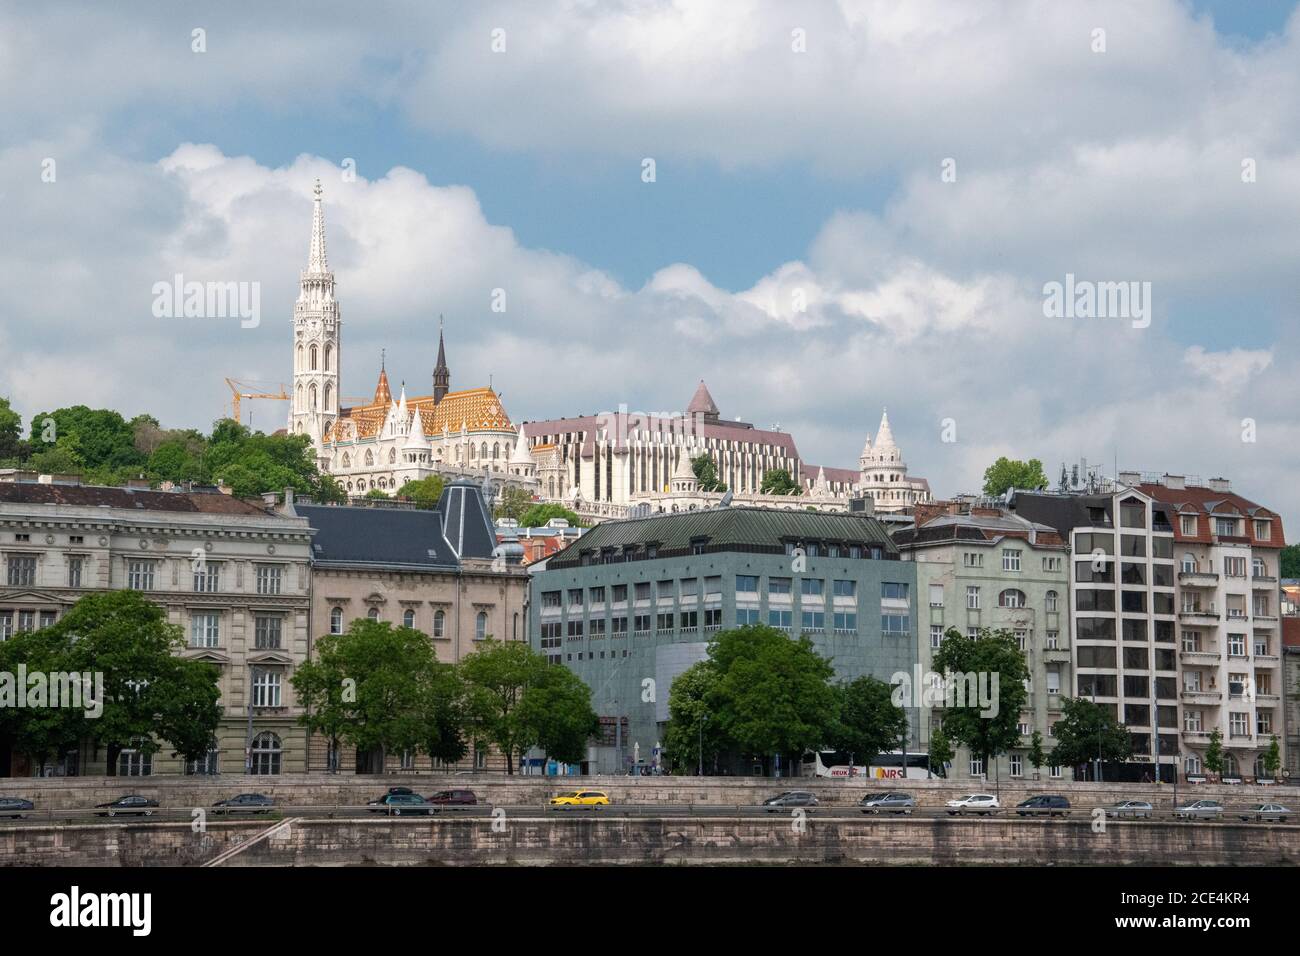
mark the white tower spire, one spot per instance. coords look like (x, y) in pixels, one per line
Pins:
(314, 402)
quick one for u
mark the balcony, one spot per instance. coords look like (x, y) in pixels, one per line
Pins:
(1056, 655)
(1208, 655)
(1210, 698)
(1198, 579)
(1266, 699)
(1268, 621)
(1196, 736)
(1197, 615)
(1263, 582)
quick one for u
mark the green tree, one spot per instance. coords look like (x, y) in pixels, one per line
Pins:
(1290, 563)
(11, 431)
(1272, 758)
(538, 515)
(1007, 473)
(1036, 755)
(941, 753)
(37, 733)
(1214, 752)
(1087, 731)
(57, 459)
(380, 687)
(374, 494)
(868, 722)
(513, 502)
(425, 492)
(777, 481)
(989, 675)
(706, 473)
(104, 440)
(557, 706)
(693, 738)
(149, 692)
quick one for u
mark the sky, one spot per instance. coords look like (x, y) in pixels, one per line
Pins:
(855, 205)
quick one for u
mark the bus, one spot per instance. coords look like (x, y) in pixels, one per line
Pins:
(883, 766)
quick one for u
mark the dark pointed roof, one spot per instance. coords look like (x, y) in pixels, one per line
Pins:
(397, 538)
(466, 524)
(442, 354)
(702, 402)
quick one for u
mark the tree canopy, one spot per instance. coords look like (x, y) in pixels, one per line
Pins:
(988, 675)
(537, 515)
(1087, 731)
(706, 473)
(1008, 473)
(777, 481)
(425, 492)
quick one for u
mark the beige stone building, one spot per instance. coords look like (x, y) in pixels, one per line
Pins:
(438, 571)
(233, 575)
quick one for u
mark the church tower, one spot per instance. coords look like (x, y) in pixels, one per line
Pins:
(441, 374)
(316, 339)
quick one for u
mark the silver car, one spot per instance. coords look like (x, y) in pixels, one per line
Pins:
(1130, 810)
(894, 801)
(1200, 810)
(1266, 811)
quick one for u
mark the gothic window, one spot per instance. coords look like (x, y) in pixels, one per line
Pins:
(329, 398)
(300, 358)
(347, 463)
(471, 451)
(392, 456)
(329, 357)
(298, 403)
(314, 357)
(439, 623)
(496, 450)
(483, 451)
(370, 457)
(311, 398)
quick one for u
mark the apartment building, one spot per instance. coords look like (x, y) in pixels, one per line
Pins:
(1227, 551)
(633, 603)
(232, 574)
(982, 567)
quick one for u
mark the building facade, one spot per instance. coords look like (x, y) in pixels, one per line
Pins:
(233, 576)
(620, 459)
(437, 571)
(633, 603)
(983, 568)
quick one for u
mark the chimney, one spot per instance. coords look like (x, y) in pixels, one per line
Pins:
(1130, 478)
(984, 511)
(1176, 482)
(923, 513)
(270, 499)
(1220, 484)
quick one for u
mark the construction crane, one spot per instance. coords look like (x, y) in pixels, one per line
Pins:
(236, 394)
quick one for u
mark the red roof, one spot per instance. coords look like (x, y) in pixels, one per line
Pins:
(1207, 503)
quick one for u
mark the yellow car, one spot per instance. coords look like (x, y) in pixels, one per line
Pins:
(581, 798)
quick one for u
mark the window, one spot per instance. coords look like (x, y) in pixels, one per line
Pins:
(1234, 567)
(813, 620)
(712, 618)
(690, 620)
(1010, 560)
(811, 587)
(1188, 524)
(373, 614)
(972, 559)
(266, 632)
(936, 595)
(1088, 599)
(972, 597)
(205, 629)
(845, 589)
(266, 754)
(480, 626)
(1263, 529)
(440, 623)
(596, 630)
(641, 623)
(1052, 564)
(1017, 765)
(575, 597)
(266, 688)
(746, 615)
(664, 621)
(936, 636)
(778, 585)
(268, 578)
(1053, 681)
(780, 619)
(1054, 772)
(205, 766)
(596, 595)
(1132, 514)
(846, 621)
(1011, 598)
(747, 583)
(1238, 725)
(619, 594)
(1192, 764)
(408, 618)
(713, 586)
(690, 587)
(132, 763)
(1236, 645)
(139, 575)
(1192, 721)
(1022, 640)
(894, 625)
(551, 599)
(642, 591)
(1051, 601)
(74, 572)
(665, 590)
(1225, 527)
(976, 766)
(336, 620)
(207, 577)
(1258, 568)
(893, 591)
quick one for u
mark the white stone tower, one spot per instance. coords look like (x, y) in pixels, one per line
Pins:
(316, 340)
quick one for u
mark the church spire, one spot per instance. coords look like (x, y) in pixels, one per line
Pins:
(316, 260)
(441, 374)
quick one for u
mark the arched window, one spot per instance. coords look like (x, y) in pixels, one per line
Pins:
(1011, 598)
(329, 357)
(1192, 764)
(1261, 772)
(266, 753)
(370, 457)
(480, 626)
(1189, 563)
(315, 357)
(336, 620)
(483, 451)
(347, 462)
(471, 450)
(298, 401)
(392, 456)
(300, 358)
(1051, 601)
(329, 398)
(311, 398)
(373, 614)
(439, 623)
(514, 628)
(408, 618)
(496, 450)
(1230, 765)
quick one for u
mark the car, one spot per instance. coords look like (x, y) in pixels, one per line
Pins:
(581, 798)
(981, 803)
(790, 798)
(452, 799)
(893, 801)
(377, 805)
(1044, 804)
(399, 804)
(246, 802)
(15, 807)
(130, 804)
(1200, 810)
(1259, 811)
(1130, 809)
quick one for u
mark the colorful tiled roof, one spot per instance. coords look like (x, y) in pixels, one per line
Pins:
(479, 409)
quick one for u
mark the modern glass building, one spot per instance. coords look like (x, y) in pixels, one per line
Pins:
(633, 603)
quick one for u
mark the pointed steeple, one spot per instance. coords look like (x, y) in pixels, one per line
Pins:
(884, 437)
(441, 374)
(317, 263)
(702, 403)
(383, 393)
